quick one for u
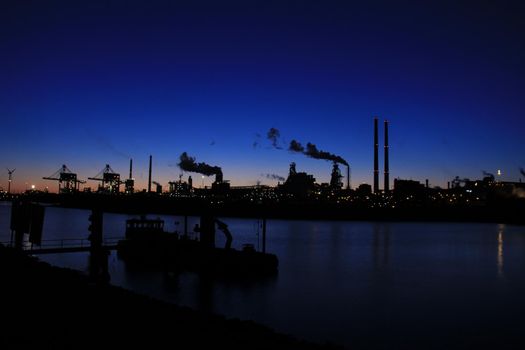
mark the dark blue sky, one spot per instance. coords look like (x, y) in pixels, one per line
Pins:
(87, 83)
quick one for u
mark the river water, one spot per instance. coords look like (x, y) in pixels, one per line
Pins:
(358, 284)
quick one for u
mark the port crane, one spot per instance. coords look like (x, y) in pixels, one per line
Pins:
(67, 180)
(110, 180)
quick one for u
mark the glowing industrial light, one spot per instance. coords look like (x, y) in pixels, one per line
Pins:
(499, 172)
(32, 187)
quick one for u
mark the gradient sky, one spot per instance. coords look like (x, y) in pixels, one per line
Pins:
(85, 83)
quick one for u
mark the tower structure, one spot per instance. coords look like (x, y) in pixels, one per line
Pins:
(387, 175)
(376, 158)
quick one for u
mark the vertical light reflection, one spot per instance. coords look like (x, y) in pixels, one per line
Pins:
(500, 250)
(380, 246)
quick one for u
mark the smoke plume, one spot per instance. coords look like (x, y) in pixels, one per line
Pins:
(312, 152)
(273, 177)
(296, 147)
(188, 163)
(273, 135)
(487, 174)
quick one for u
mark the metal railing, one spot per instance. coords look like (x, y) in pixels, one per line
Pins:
(64, 243)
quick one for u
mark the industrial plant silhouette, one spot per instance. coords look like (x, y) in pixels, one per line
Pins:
(297, 195)
(149, 245)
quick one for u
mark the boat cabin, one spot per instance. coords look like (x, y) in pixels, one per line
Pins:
(139, 227)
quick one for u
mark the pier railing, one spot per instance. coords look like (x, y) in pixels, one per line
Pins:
(65, 243)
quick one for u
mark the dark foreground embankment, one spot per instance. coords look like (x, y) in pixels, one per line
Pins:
(46, 307)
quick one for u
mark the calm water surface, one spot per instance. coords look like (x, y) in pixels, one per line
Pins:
(352, 283)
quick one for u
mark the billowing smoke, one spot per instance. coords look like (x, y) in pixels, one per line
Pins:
(273, 177)
(296, 147)
(487, 174)
(312, 152)
(273, 135)
(188, 163)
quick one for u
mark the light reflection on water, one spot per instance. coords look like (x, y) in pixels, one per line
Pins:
(501, 229)
(344, 282)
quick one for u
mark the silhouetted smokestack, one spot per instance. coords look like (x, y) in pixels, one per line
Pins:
(348, 177)
(376, 160)
(130, 168)
(387, 179)
(218, 177)
(149, 176)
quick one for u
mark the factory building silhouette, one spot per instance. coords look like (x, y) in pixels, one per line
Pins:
(298, 186)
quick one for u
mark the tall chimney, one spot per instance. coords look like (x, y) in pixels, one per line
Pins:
(387, 169)
(149, 177)
(130, 168)
(376, 160)
(348, 177)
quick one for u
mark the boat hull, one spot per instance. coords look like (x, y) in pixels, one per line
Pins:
(175, 254)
